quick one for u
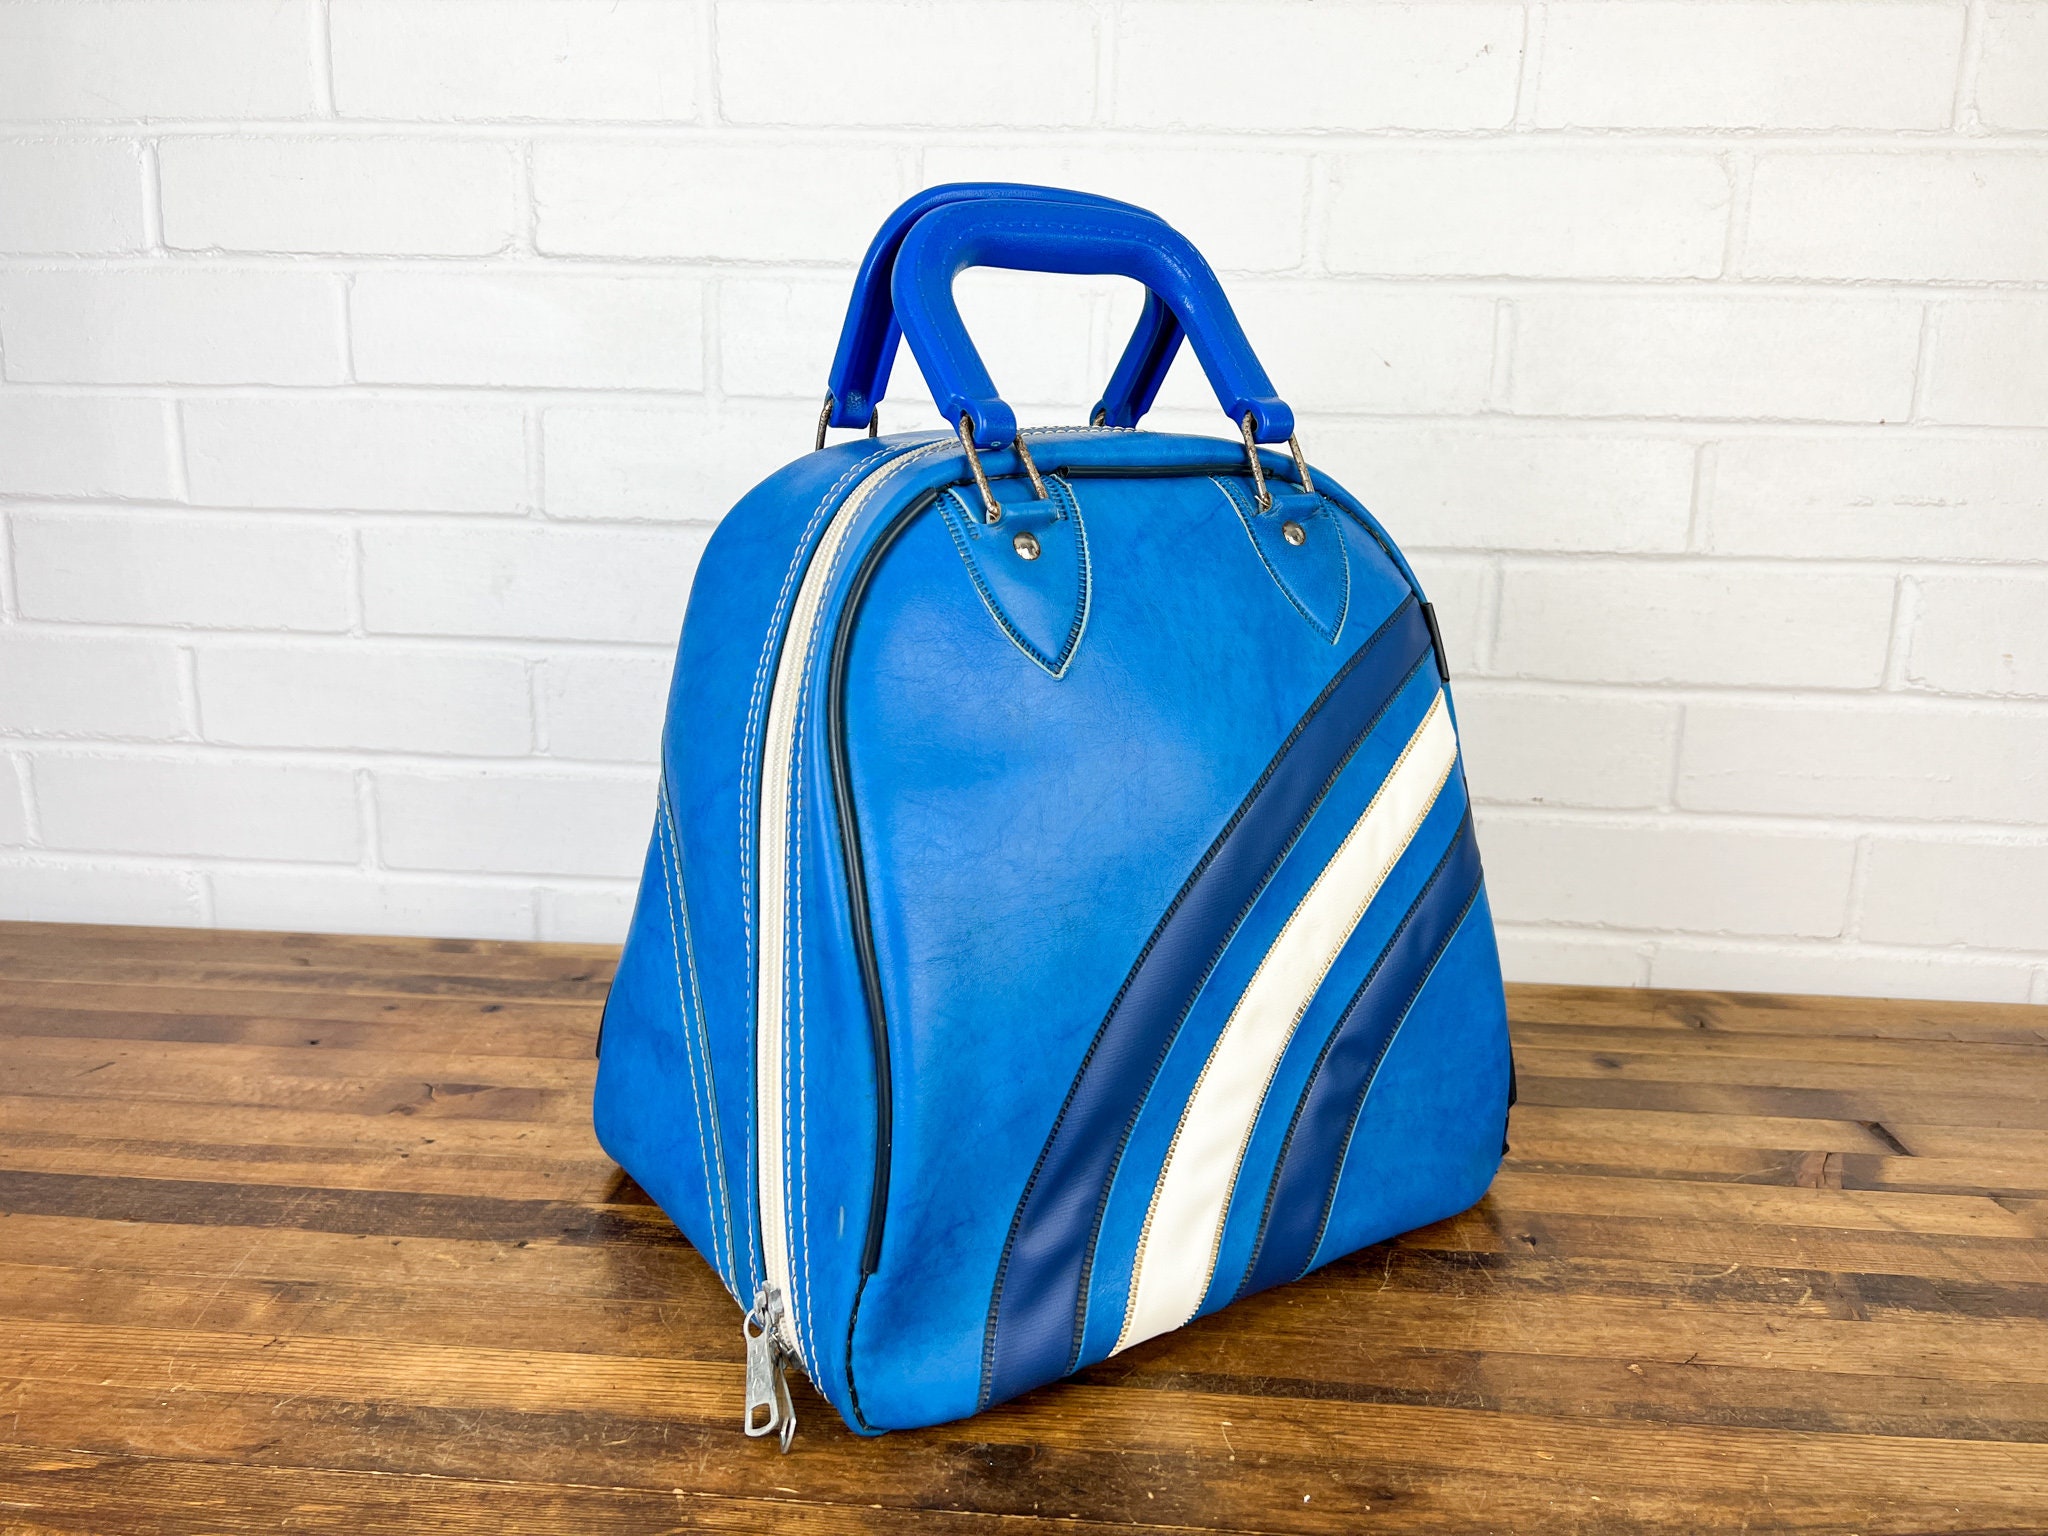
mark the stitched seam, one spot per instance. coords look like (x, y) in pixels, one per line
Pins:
(1330, 1044)
(956, 513)
(1208, 858)
(800, 1317)
(696, 999)
(1237, 1165)
(1244, 516)
(1365, 1091)
(689, 1052)
(770, 645)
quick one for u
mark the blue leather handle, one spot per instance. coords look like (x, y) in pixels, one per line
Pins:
(1065, 237)
(868, 340)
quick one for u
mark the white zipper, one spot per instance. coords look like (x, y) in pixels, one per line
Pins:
(778, 1305)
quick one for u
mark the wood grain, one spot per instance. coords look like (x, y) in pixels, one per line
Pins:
(311, 1232)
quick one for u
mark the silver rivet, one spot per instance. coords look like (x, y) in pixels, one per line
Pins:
(1026, 544)
(1293, 533)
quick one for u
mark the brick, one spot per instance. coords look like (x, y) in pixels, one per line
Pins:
(1981, 634)
(386, 698)
(1183, 65)
(1489, 487)
(605, 708)
(77, 445)
(473, 60)
(1842, 359)
(1692, 878)
(589, 914)
(36, 888)
(1530, 748)
(2012, 71)
(357, 901)
(593, 822)
(184, 325)
(1979, 216)
(1568, 957)
(163, 568)
(1836, 971)
(1503, 209)
(142, 58)
(214, 807)
(776, 336)
(351, 196)
(75, 196)
(1456, 587)
(1244, 209)
(554, 331)
(13, 804)
(1894, 759)
(545, 583)
(1693, 623)
(1990, 363)
(1046, 338)
(69, 684)
(1917, 495)
(800, 201)
(1022, 63)
(356, 454)
(682, 463)
(1746, 64)
(1986, 895)
(1333, 346)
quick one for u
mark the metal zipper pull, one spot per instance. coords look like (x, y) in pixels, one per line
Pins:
(767, 1383)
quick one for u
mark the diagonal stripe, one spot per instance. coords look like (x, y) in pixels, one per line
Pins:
(1177, 1252)
(1305, 1180)
(1034, 1318)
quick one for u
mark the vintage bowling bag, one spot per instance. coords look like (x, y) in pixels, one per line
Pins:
(1063, 915)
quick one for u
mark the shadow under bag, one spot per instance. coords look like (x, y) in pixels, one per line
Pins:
(1063, 915)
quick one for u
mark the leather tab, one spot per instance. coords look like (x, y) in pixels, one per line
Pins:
(1315, 575)
(1041, 603)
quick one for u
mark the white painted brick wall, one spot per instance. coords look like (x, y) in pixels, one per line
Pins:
(372, 371)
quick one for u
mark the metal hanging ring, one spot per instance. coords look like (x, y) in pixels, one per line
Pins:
(1251, 454)
(825, 418)
(1031, 469)
(992, 512)
(1263, 496)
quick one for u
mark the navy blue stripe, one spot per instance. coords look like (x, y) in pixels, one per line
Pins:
(1036, 1314)
(1312, 1157)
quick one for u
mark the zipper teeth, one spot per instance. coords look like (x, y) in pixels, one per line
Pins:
(770, 1076)
(791, 672)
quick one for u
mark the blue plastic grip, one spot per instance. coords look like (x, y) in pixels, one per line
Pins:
(1076, 238)
(867, 341)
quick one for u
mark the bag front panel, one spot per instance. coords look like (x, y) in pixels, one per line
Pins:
(1023, 835)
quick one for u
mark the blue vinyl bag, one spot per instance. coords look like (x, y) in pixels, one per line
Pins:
(1063, 915)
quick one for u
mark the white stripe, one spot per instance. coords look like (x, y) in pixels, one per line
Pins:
(1184, 1227)
(792, 675)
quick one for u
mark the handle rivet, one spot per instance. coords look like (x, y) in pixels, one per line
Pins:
(1294, 533)
(1026, 544)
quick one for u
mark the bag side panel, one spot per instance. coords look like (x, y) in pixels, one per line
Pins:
(738, 608)
(655, 1100)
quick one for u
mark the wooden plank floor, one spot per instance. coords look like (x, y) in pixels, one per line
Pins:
(312, 1233)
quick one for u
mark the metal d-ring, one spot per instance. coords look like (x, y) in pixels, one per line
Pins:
(991, 509)
(825, 418)
(991, 512)
(1251, 454)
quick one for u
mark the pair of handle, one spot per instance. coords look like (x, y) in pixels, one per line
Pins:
(905, 289)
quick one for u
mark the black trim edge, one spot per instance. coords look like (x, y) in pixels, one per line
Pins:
(856, 873)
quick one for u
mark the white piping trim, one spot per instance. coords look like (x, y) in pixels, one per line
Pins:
(1184, 1228)
(778, 757)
